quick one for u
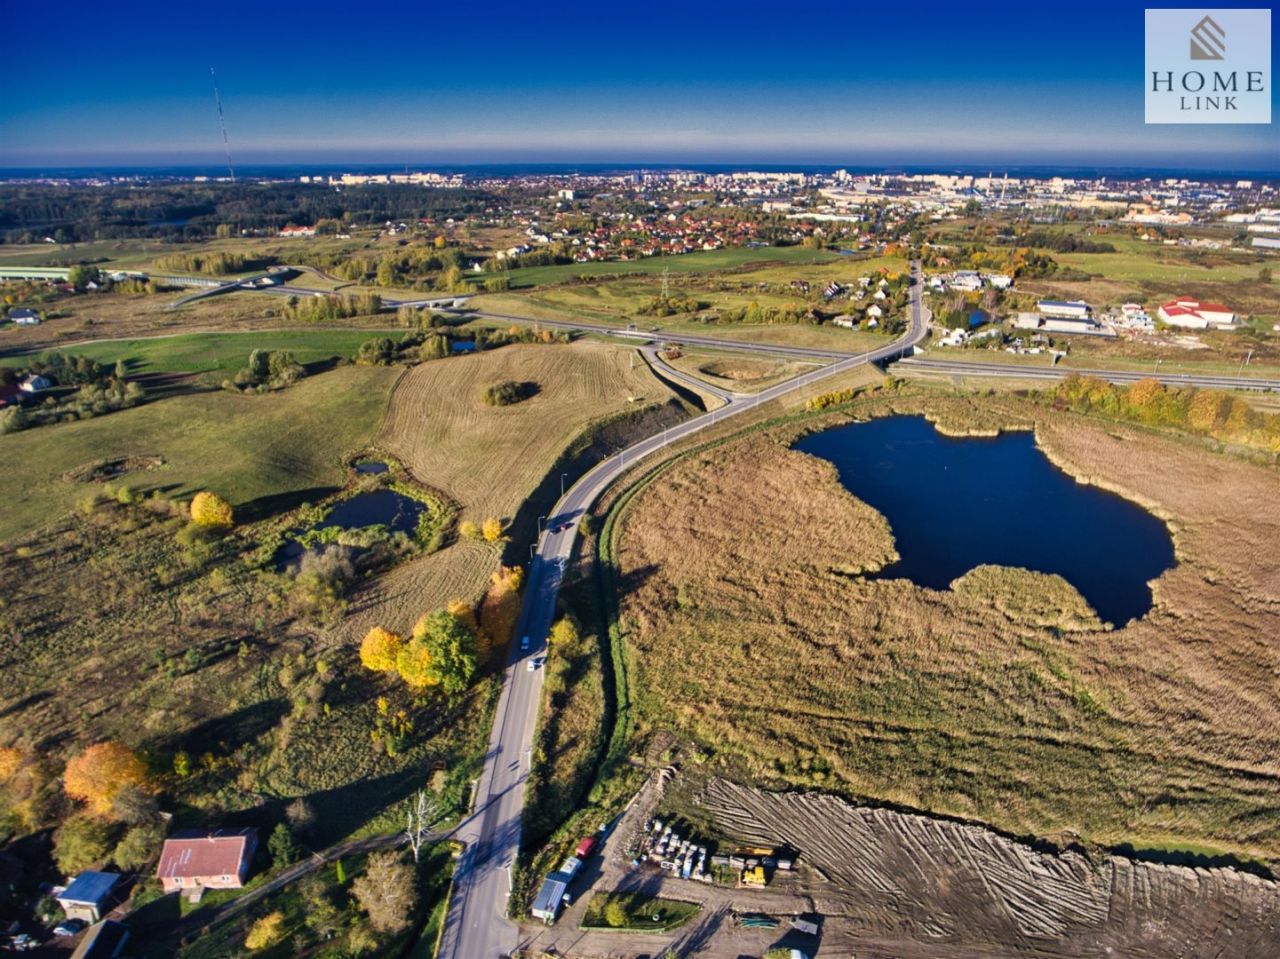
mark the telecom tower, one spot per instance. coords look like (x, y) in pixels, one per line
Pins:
(217, 98)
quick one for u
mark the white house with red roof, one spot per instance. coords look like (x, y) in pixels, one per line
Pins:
(1195, 315)
(194, 860)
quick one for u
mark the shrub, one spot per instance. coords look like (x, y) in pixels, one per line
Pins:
(508, 392)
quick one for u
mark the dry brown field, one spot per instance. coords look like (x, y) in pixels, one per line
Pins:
(975, 702)
(489, 458)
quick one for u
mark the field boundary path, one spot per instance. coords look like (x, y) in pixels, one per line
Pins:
(476, 925)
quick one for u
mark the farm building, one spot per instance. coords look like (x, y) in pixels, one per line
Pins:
(88, 894)
(1192, 314)
(206, 860)
(1070, 309)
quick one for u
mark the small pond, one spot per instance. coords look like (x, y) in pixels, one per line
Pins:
(954, 503)
(381, 507)
(371, 467)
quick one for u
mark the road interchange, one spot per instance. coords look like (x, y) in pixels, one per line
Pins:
(476, 926)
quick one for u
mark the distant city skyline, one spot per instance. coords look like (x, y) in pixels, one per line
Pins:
(654, 83)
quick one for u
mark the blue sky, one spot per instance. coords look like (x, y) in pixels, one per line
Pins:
(845, 82)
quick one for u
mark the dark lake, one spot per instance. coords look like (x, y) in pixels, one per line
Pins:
(954, 503)
(382, 507)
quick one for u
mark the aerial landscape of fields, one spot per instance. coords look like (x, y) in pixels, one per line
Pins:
(585, 489)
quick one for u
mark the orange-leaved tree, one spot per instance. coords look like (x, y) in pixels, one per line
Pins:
(380, 649)
(101, 771)
(211, 510)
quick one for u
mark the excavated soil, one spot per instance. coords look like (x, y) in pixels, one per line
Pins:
(896, 875)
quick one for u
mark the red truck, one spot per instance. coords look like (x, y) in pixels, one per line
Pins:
(586, 847)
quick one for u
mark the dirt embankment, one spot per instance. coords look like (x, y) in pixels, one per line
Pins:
(923, 879)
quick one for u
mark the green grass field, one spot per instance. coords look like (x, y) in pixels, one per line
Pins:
(730, 258)
(219, 354)
(244, 447)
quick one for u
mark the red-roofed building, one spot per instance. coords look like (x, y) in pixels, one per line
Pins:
(1192, 314)
(206, 860)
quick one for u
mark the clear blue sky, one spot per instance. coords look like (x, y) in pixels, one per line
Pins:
(431, 82)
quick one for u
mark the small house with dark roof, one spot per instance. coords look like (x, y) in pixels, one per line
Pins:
(195, 860)
(88, 895)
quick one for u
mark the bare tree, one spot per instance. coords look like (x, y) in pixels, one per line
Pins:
(423, 812)
(387, 892)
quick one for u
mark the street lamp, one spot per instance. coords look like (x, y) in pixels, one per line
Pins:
(562, 478)
(541, 520)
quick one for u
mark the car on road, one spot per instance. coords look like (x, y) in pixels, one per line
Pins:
(524, 643)
(70, 927)
(22, 943)
(536, 662)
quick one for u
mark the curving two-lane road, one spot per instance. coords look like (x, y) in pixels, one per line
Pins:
(477, 926)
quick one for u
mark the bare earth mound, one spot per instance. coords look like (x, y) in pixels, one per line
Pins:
(980, 702)
(944, 882)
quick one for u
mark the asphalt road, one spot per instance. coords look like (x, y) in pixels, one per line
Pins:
(668, 371)
(921, 364)
(477, 926)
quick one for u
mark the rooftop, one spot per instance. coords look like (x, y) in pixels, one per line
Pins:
(90, 887)
(194, 853)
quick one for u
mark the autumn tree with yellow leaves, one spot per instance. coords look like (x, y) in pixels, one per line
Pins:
(491, 529)
(266, 932)
(380, 649)
(211, 511)
(500, 608)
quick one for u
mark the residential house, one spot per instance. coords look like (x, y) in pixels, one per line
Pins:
(24, 316)
(195, 860)
(87, 895)
(34, 383)
(845, 320)
(105, 940)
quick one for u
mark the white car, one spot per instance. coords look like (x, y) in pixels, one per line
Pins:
(535, 663)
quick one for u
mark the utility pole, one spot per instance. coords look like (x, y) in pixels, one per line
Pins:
(1245, 362)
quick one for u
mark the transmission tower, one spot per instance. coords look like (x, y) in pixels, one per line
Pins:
(222, 121)
(665, 271)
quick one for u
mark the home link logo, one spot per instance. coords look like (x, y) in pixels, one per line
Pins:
(1208, 66)
(1208, 41)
